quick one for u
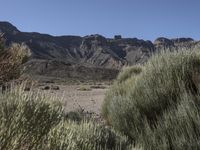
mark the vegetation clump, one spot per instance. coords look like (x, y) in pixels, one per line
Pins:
(26, 119)
(128, 72)
(10, 60)
(159, 108)
(85, 136)
(32, 120)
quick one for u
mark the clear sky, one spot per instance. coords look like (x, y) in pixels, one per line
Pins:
(145, 19)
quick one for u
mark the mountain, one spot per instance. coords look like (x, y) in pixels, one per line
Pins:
(89, 57)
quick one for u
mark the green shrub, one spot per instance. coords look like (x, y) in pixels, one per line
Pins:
(25, 119)
(128, 72)
(178, 130)
(144, 106)
(74, 116)
(84, 88)
(34, 121)
(84, 136)
(124, 81)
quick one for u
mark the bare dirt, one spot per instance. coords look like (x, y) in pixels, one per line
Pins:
(81, 97)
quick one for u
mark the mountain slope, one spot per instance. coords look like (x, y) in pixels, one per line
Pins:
(99, 57)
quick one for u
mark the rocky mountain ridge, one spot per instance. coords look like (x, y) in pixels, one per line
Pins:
(98, 56)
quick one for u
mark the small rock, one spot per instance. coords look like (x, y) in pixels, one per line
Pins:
(53, 87)
(46, 88)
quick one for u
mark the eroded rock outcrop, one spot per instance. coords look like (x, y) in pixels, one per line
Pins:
(93, 52)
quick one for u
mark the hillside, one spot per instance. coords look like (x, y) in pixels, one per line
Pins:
(92, 57)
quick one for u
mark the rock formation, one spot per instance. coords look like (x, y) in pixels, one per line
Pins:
(89, 57)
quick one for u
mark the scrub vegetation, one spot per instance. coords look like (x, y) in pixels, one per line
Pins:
(151, 106)
(158, 107)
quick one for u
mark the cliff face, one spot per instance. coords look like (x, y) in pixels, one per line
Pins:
(67, 53)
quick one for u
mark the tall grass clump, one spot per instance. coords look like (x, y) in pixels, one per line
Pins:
(85, 136)
(159, 108)
(33, 120)
(26, 118)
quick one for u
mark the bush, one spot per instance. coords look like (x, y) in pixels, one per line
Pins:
(85, 136)
(145, 107)
(178, 130)
(84, 88)
(26, 118)
(119, 89)
(128, 72)
(76, 116)
(31, 120)
(10, 60)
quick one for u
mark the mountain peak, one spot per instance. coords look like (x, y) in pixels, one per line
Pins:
(8, 28)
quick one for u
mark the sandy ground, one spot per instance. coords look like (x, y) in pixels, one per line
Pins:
(75, 99)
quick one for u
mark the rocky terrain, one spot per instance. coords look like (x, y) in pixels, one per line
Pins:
(92, 57)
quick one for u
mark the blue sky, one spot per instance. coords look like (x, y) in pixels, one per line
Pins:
(144, 19)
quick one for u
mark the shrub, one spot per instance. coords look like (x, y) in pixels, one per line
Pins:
(145, 107)
(178, 130)
(10, 60)
(119, 89)
(85, 136)
(74, 116)
(32, 120)
(128, 72)
(26, 118)
(84, 88)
